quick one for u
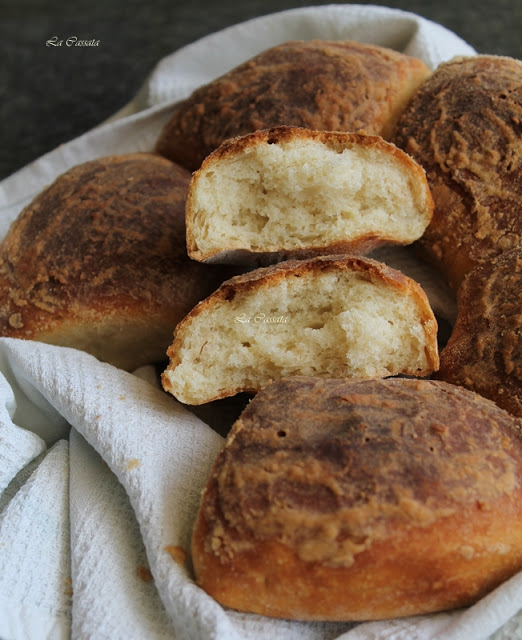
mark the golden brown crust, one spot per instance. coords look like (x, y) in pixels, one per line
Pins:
(351, 500)
(464, 126)
(484, 351)
(104, 243)
(335, 86)
(367, 268)
(335, 140)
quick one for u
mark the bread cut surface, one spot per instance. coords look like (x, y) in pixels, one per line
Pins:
(484, 351)
(464, 126)
(98, 261)
(361, 500)
(328, 316)
(326, 85)
(292, 193)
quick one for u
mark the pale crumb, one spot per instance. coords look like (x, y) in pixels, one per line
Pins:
(304, 192)
(339, 325)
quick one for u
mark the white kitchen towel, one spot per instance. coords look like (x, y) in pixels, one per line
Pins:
(35, 585)
(114, 595)
(122, 486)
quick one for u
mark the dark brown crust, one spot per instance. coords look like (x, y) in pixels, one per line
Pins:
(105, 240)
(464, 126)
(484, 351)
(334, 86)
(269, 276)
(353, 500)
(336, 140)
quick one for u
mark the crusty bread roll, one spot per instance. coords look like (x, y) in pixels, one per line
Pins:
(333, 86)
(360, 500)
(291, 192)
(484, 351)
(328, 316)
(464, 126)
(98, 261)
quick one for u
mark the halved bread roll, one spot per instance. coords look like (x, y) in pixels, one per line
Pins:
(98, 261)
(329, 316)
(358, 500)
(290, 192)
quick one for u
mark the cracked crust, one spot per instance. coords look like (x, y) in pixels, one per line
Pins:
(334, 86)
(484, 351)
(464, 126)
(353, 500)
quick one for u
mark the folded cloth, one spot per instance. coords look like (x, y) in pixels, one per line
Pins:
(101, 472)
(35, 587)
(114, 593)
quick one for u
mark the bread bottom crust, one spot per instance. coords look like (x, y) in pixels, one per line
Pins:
(415, 570)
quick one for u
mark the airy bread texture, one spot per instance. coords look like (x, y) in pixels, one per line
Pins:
(98, 261)
(332, 86)
(361, 500)
(294, 193)
(464, 126)
(328, 316)
(484, 351)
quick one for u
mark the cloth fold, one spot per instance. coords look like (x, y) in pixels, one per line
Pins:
(101, 472)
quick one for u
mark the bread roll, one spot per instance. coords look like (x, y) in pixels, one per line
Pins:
(328, 316)
(334, 86)
(360, 500)
(464, 126)
(295, 193)
(484, 351)
(98, 261)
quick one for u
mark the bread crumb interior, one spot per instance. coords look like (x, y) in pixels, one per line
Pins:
(348, 327)
(295, 193)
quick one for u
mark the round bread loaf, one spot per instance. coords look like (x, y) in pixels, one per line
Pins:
(98, 261)
(335, 86)
(361, 500)
(464, 126)
(332, 316)
(484, 351)
(291, 192)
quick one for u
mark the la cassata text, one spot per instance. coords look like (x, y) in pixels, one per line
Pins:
(71, 41)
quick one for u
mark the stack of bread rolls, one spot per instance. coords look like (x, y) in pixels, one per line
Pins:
(354, 485)
(343, 495)
(284, 171)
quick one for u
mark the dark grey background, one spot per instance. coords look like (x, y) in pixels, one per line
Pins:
(49, 95)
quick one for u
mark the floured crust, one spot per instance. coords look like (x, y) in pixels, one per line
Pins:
(333, 86)
(357, 192)
(98, 261)
(199, 373)
(464, 126)
(358, 500)
(484, 351)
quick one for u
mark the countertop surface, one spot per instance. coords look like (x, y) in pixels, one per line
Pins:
(51, 94)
